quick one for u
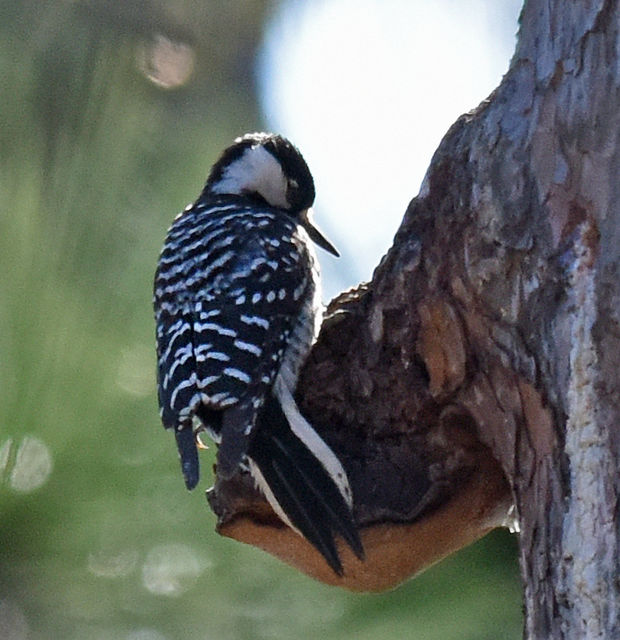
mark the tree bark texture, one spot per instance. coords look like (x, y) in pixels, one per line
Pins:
(481, 366)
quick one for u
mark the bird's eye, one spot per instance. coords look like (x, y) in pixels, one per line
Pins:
(292, 191)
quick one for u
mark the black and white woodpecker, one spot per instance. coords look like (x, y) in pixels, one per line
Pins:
(237, 306)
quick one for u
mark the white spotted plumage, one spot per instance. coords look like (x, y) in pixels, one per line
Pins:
(237, 307)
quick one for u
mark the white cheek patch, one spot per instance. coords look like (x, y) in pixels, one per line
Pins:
(255, 171)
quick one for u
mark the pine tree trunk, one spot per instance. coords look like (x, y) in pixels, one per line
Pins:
(481, 366)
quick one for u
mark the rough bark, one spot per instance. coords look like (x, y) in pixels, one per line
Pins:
(481, 364)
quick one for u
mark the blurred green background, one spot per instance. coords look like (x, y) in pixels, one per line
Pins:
(111, 115)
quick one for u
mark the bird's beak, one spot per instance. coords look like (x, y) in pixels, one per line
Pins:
(305, 218)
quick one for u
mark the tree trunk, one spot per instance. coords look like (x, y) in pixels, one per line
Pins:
(480, 367)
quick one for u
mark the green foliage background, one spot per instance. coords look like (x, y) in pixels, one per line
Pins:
(94, 162)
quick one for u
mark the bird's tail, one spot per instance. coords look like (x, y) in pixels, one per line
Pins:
(302, 478)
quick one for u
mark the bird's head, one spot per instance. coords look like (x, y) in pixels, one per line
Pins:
(270, 169)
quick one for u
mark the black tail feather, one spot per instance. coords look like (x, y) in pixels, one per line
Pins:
(188, 452)
(318, 533)
(302, 487)
(315, 479)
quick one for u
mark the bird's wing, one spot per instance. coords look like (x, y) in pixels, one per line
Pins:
(176, 367)
(241, 336)
(224, 315)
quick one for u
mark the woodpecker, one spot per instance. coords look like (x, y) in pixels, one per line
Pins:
(237, 307)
